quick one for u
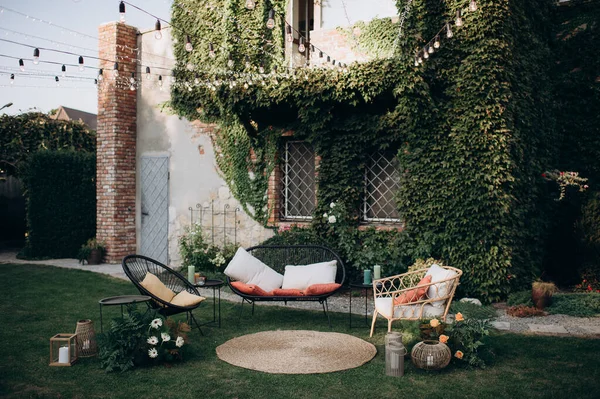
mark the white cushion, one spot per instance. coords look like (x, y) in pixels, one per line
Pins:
(249, 270)
(384, 307)
(300, 277)
(438, 273)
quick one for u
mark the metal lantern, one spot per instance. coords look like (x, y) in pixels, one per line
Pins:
(63, 349)
(86, 338)
(394, 354)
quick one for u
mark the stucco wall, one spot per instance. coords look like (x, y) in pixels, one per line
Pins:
(193, 175)
(333, 13)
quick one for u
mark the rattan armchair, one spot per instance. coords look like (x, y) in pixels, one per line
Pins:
(434, 303)
(136, 267)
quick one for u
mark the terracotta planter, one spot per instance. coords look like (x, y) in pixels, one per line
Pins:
(540, 298)
(95, 257)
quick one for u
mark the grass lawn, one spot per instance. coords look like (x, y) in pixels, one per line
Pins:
(37, 302)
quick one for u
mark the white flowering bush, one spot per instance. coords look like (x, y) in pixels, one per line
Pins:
(195, 250)
(166, 339)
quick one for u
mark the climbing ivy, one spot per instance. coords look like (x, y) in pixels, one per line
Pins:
(474, 126)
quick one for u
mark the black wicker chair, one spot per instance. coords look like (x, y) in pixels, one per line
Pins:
(136, 267)
(278, 257)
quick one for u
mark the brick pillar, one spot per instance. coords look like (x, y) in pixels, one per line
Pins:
(116, 140)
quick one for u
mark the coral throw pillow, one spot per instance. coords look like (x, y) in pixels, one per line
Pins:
(415, 294)
(157, 288)
(185, 298)
(249, 289)
(321, 289)
(288, 292)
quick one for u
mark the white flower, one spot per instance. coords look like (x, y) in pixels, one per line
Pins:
(324, 215)
(152, 340)
(179, 342)
(156, 323)
(332, 219)
(152, 353)
(332, 205)
(165, 337)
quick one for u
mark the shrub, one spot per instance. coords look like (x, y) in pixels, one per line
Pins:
(61, 203)
(520, 298)
(196, 251)
(581, 305)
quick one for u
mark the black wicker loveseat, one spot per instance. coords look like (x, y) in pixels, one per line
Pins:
(137, 266)
(278, 257)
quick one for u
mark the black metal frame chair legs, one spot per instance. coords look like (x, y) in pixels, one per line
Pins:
(242, 307)
(190, 318)
(326, 311)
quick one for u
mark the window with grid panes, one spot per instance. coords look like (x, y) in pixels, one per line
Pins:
(381, 183)
(298, 185)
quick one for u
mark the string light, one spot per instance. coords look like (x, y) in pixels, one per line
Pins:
(261, 69)
(458, 22)
(36, 56)
(188, 44)
(211, 50)
(288, 34)
(436, 43)
(271, 20)
(449, 33)
(247, 64)
(63, 70)
(473, 6)
(301, 46)
(116, 70)
(21, 65)
(132, 81)
(12, 78)
(148, 75)
(425, 54)
(157, 33)
(100, 77)
(122, 12)
(57, 81)
(250, 4)
(160, 82)
(230, 62)
(430, 49)
(81, 67)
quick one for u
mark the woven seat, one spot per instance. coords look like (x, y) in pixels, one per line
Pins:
(136, 267)
(434, 303)
(278, 257)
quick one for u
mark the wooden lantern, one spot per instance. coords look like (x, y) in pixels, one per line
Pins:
(63, 349)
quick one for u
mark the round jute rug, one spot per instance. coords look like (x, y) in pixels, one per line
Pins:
(296, 352)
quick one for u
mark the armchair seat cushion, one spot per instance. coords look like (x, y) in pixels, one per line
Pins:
(287, 292)
(249, 289)
(384, 307)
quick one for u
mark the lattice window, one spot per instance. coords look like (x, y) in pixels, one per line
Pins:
(381, 184)
(298, 181)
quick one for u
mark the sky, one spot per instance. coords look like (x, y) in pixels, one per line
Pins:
(65, 25)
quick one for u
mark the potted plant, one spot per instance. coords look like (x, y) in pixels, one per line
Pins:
(92, 251)
(541, 293)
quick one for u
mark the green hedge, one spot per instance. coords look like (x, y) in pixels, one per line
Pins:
(61, 203)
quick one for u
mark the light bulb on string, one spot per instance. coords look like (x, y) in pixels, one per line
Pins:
(288, 33)
(425, 54)
(230, 62)
(57, 81)
(250, 4)
(301, 47)
(420, 59)
(261, 68)
(132, 78)
(96, 82)
(436, 43)
(312, 48)
(416, 61)
(271, 19)
(449, 33)
(196, 80)
(211, 50)
(157, 28)
(247, 64)
(188, 44)
(21, 65)
(160, 82)
(328, 59)
(333, 62)
(173, 79)
(458, 22)
(473, 6)
(36, 56)
(189, 66)
(148, 75)
(12, 78)
(63, 70)
(100, 77)
(122, 12)
(116, 70)
(320, 54)
(430, 49)
(81, 67)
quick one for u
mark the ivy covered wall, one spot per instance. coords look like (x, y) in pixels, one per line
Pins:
(474, 127)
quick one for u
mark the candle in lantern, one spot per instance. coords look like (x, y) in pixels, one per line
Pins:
(429, 360)
(63, 354)
(376, 272)
(86, 344)
(191, 270)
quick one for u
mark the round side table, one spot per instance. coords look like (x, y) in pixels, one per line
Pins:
(120, 300)
(365, 288)
(216, 285)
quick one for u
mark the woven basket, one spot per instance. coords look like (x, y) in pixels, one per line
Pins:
(86, 339)
(431, 355)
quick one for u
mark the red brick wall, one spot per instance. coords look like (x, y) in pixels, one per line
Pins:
(116, 143)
